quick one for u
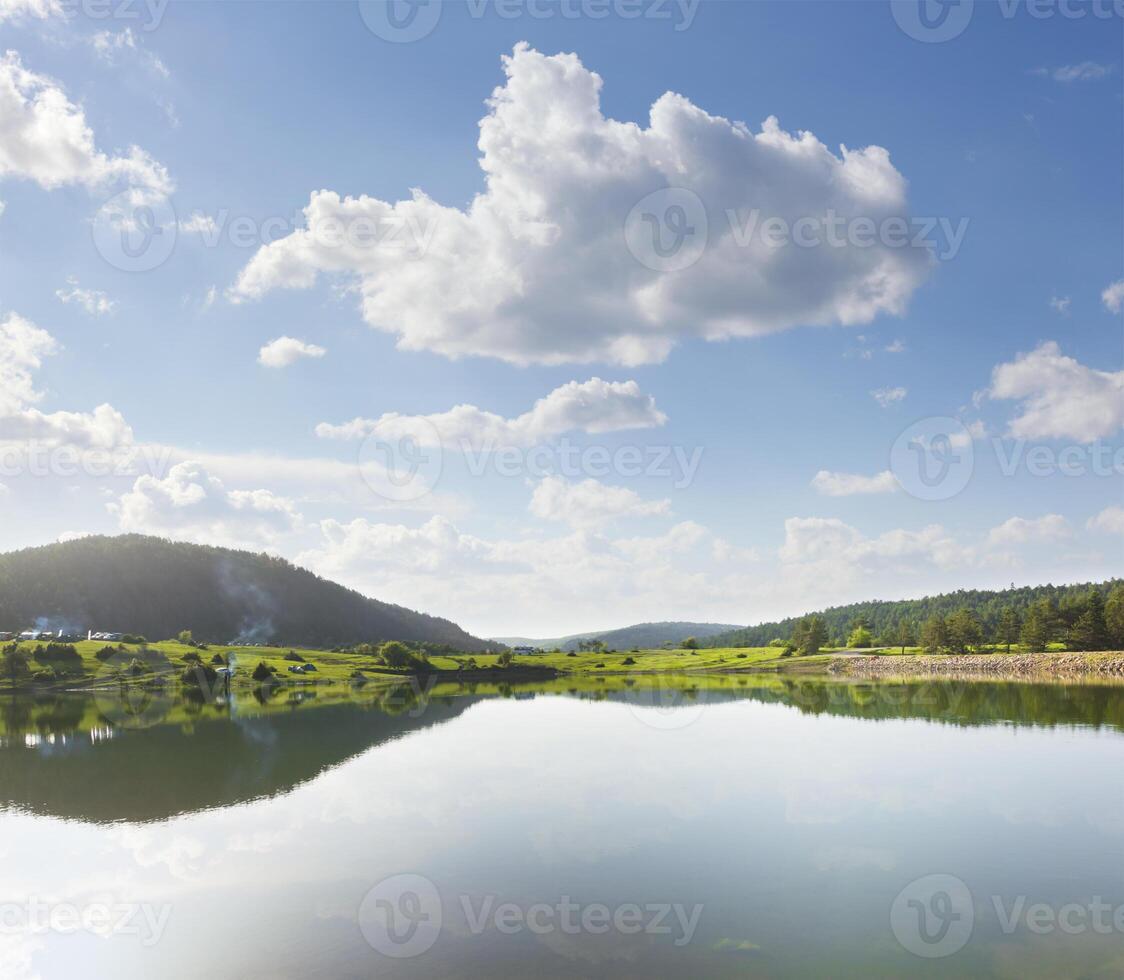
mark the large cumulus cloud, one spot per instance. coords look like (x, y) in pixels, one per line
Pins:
(537, 269)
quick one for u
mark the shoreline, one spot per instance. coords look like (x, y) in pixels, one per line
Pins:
(1041, 666)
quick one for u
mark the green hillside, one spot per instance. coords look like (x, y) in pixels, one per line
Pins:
(884, 619)
(137, 584)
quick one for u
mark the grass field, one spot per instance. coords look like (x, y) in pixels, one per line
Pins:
(333, 668)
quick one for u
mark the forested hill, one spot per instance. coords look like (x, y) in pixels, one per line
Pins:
(884, 618)
(137, 584)
(643, 636)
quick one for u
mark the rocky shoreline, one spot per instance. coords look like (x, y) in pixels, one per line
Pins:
(1021, 665)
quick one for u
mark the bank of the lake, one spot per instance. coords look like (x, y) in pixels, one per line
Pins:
(1039, 666)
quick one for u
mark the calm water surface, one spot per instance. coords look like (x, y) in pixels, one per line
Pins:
(745, 827)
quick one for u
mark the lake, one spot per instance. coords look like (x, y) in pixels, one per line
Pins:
(625, 827)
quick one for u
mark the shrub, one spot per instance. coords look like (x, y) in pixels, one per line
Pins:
(61, 656)
(199, 674)
(133, 639)
(504, 659)
(45, 676)
(396, 654)
(740, 656)
(218, 660)
(262, 672)
(192, 658)
(571, 654)
(293, 655)
(628, 661)
(598, 665)
(107, 653)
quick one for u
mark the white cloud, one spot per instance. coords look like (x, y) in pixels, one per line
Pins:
(896, 347)
(283, 351)
(1021, 530)
(549, 581)
(1113, 296)
(833, 484)
(110, 45)
(1060, 398)
(842, 552)
(93, 301)
(498, 278)
(1060, 304)
(590, 503)
(21, 9)
(888, 396)
(23, 346)
(190, 504)
(1109, 521)
(593, 406)
(47, 140)
(200, 224)
(1085, 71)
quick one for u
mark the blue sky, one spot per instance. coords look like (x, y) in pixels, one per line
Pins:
(759, 365)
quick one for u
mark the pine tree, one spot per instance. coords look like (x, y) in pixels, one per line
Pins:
(964, 630)
(1114, 617)
(1036, 630)
(905, 636)
(934, 634)
(1090, 632)
(1008, 631)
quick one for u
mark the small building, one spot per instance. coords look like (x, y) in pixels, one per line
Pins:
(526, 651)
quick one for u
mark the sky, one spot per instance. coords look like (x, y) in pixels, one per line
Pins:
(555, 317)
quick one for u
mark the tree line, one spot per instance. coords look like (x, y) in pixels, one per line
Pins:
(1082, 617)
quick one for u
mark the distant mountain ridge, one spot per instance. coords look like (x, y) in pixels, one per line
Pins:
(138, 584)
(642, 635)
